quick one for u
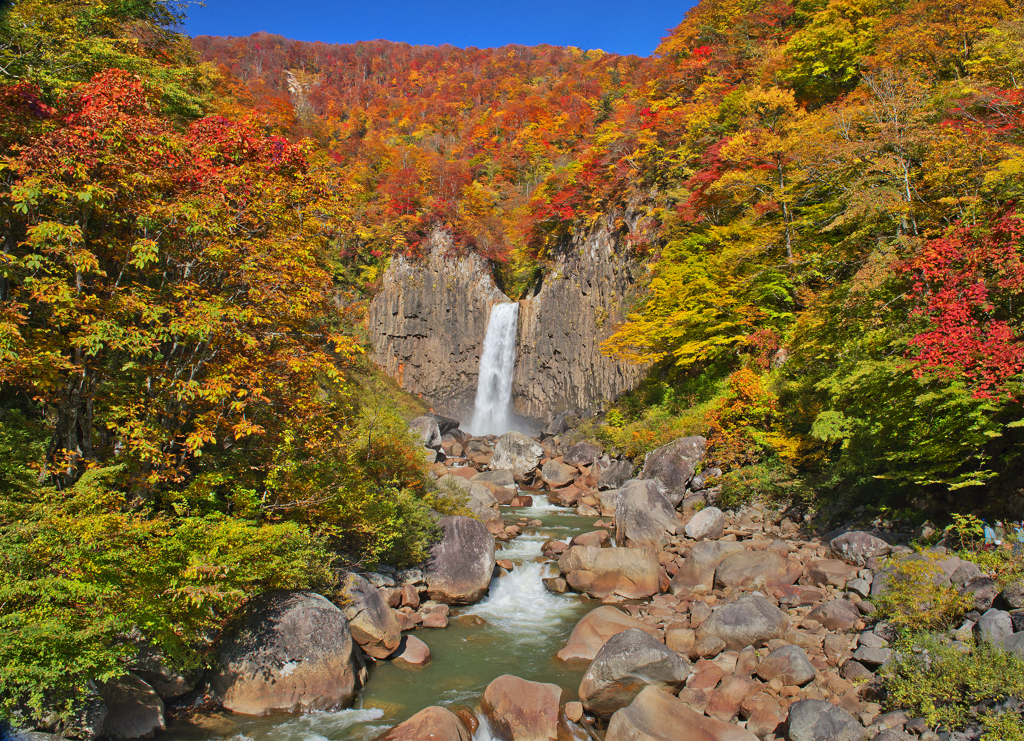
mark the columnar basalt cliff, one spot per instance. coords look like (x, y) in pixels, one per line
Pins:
(582, 299)
(429, 321)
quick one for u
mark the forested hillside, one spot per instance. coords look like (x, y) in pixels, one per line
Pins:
(826, 195)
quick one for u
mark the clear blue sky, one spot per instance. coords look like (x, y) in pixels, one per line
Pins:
(622, 27)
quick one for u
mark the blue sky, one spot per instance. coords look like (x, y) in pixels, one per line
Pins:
(622, 27)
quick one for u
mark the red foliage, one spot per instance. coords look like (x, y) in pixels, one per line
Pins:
(969, 285)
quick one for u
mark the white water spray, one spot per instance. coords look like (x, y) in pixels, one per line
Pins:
(492, 413)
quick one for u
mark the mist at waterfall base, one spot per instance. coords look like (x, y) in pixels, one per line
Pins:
(492, 412)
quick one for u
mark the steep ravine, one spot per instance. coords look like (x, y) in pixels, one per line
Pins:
(429, 320)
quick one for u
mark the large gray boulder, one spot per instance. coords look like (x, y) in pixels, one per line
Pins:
(751, 620)
(627, 663)
(374, 625)
(628, 572)
(615, 475)
(673, 465)
(656, 715)
(520, 710)
(556, 473)
(644, 518)
(134, 709)
(479, 499)
(994, 627)
(428, 431)
(517, 453)
(461, 564)
(817, 720)
(583, 453)
(697, 574)
(437, 723)
(857, 547)
(790, 663)
(708, 524)
(289, 652)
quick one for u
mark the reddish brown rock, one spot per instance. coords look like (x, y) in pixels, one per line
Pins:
(837, 614)
(594, 630)
(632, 573)
(655, 715)
(412, 651)
(435, 723)
(519, 710)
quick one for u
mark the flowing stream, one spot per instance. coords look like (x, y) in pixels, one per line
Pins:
(525, 625)
(492, 411)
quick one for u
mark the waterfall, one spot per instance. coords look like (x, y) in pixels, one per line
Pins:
(492, 413)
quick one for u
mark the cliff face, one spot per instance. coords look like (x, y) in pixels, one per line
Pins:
(428, 323)
(559, 364)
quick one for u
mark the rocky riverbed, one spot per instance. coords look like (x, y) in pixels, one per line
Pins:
(671, 618)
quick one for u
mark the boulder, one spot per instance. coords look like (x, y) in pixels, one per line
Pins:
(983, 591)
(447, 425)
(994, 627)
(412, 651)
(519, 710)
(557, 474)
(632, 573)
(151, 667)
(700, 564)
(1014, 643)
(374, 625)
(479, 499)
(134, 709)
(560, 423)
(673, 465)
(595, 628)
(817, 720)
(517, 453)
(858, 546)
(460, 566)
(428, 431)
(757, 569)
(830, 571)
(627, 663)
(790, 663)
(837, 614)
(1013, 594)
(644, 518)
(583, 453)
(503, 479)
(655, 715)
(708, 524)
(437, 723)
(617, 473)
(608, 500)
(751, 620)
(288, 652)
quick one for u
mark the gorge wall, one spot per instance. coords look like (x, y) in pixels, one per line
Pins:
(427, 325)
(429, 320)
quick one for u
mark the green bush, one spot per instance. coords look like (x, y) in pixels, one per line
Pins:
(79, 571)
(917, 599)
(937, 682)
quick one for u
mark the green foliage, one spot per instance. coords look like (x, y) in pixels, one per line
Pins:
(966, 532)
(917, 599)
(79, 571)
(941, 684)
(769, 479)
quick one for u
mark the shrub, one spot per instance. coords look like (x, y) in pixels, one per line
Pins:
(951, 688)
(916, 598)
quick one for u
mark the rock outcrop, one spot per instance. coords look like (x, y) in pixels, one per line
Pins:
(428, 322)
(583, 297)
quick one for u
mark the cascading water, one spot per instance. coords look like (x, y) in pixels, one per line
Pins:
(492, 413)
